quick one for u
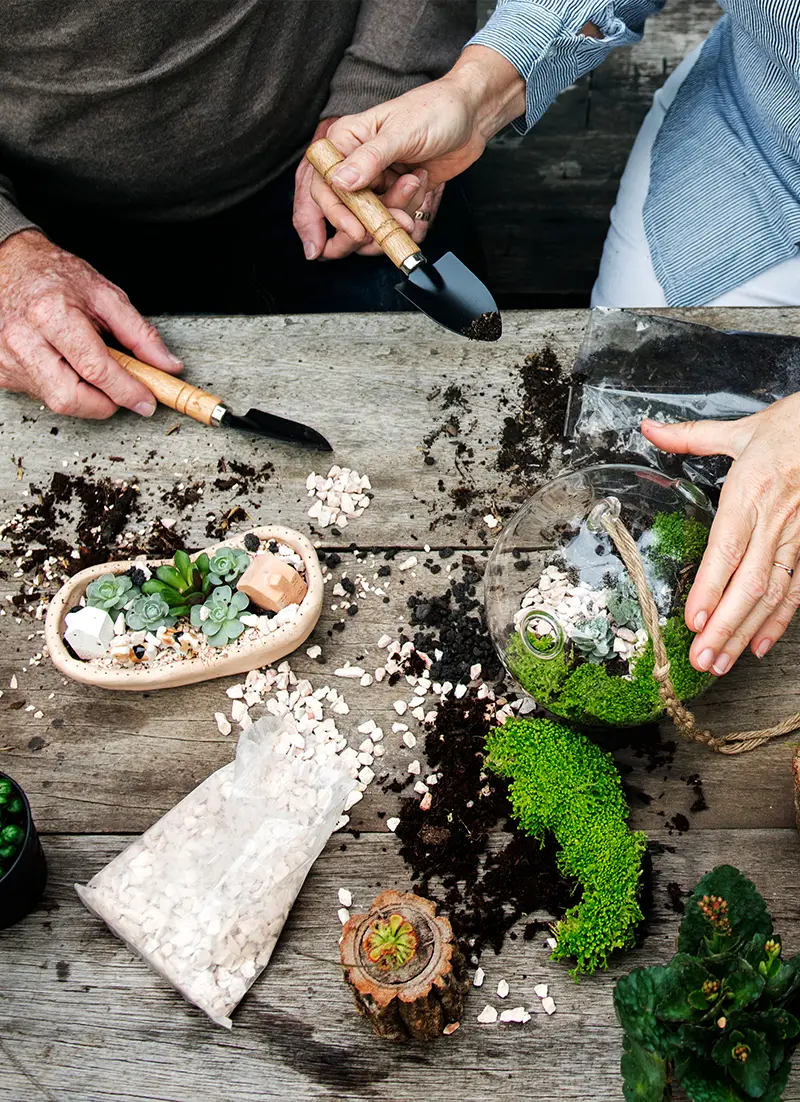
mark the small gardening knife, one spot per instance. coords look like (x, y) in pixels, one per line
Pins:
(446, 291)
(206, 408)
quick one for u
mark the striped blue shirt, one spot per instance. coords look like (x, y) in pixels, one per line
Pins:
(724, 197)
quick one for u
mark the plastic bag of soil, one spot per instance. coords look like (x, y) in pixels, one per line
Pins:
(634, 366)
(203, 895)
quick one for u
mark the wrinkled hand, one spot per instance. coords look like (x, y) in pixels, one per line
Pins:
(401, 192)
(437, 131)
(739, 596)
(53, 307)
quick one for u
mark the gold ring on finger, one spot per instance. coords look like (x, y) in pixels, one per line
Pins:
(422, 215)
(789, 569)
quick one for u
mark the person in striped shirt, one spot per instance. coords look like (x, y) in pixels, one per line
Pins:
(708, 212)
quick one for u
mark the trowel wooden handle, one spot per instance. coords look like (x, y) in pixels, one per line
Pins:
(170, 390)
(365, 205)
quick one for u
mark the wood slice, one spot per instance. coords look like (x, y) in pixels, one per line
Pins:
(407, 974)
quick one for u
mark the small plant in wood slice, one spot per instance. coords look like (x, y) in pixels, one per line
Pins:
(219, 616)
(183, 584)
(391, 943)
(721, 1017)
(111, 592)
(228, 565)
(149, 612)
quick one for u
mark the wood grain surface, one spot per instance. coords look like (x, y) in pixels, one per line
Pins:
(80, 1019)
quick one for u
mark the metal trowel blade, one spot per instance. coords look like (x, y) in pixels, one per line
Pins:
(449, 293)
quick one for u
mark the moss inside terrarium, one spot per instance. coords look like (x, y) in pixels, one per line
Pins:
(599, 686)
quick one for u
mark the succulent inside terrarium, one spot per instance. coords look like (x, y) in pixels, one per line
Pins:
(562, 606)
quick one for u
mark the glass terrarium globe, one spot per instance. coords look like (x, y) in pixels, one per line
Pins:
(562, 610)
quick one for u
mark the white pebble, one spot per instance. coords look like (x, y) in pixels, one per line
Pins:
(541, 990)
(343, 914)
(400, 707)
(409, 740)
(393, 823)
(223, 726)
(548, 1005)
(518, 1014)
(478, 978)
(488, 1016)
(503, 989)
(345, 897)
(414, 767)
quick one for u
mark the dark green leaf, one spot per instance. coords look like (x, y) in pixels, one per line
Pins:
(742, 987)
(697, 1038)
(751, 1074)
(785, 984)
(753, 951)
(644, 1074)
(681, 978)
(184, 565)
(698, 1000)
(635, 998)
(201, 562)
(703, 1082)
(171, 577)
(747, 912)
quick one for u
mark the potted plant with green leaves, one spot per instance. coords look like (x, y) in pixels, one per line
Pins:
(721, 1018)
(23, 869)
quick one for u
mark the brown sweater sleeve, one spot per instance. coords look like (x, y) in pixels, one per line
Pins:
(397, 45)
(12, 220)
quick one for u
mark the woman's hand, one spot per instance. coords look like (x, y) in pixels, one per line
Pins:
(739, 595)
(401, 192)
(429, 134)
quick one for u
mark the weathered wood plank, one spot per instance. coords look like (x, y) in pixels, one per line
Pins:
(84, 1020)
(102, 762)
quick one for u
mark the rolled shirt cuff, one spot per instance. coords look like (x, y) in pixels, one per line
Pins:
(543, 42)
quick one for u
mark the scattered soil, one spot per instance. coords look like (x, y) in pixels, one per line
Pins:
(487, 327)
(447, 847)
(93, 515)
(675, 895)
(528, 437)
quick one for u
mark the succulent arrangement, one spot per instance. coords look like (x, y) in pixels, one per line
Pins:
(219, 617)
(721, 1018)
(12, 824)
(111, 592)
(603, 674)
(182, 584)
(564, 785)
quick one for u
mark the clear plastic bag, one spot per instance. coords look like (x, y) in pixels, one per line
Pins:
(203, 895)
(634, 366)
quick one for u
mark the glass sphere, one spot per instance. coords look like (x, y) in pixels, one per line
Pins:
(562, 610)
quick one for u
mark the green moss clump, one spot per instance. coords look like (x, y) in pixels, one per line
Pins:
(565, 785)
(678, 539)
(588, 694)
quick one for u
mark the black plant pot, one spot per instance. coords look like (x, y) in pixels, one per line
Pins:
(23, 885)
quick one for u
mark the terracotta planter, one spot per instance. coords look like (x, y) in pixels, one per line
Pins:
(235, 659)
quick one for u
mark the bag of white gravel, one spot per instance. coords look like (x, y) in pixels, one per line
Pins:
(203, 895)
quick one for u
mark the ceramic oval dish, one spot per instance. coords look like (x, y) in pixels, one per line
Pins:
(232, 660)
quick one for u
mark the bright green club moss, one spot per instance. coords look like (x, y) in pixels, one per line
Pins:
(587, 693)
(565, 785)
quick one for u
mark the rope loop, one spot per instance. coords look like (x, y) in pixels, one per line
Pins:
(684, 720)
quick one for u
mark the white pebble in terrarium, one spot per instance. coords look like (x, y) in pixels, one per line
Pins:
(563, 610)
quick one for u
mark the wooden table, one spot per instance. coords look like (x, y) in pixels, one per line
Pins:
(80, 1018)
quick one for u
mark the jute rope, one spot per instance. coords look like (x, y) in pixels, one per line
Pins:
(735, 743)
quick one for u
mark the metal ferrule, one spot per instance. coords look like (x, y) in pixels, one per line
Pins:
(412, 262)
(217, 413)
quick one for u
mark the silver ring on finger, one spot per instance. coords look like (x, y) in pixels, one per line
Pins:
(422, 215)
(789, 569)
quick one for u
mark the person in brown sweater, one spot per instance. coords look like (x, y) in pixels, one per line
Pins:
(154, 150)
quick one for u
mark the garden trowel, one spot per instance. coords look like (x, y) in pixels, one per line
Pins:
(206, 408)
(446, 291)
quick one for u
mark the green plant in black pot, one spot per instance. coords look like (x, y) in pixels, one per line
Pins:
(23, 871)
(182, 584)
(720, 1018)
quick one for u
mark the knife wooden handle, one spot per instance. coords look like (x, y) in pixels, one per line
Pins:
(365, 205)
(170, 390)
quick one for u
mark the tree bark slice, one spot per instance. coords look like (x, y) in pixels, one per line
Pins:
(405, 999)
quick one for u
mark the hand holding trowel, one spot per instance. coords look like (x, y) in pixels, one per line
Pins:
(208, 409)
(446, 291)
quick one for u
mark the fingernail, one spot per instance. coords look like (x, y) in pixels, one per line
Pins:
(145, 409)
(310, 249)
(175, 359)
(721, 664)
(411, 187)
(346, 177)
(705, 658)
(647, 423)
(763, 647)
(700, 620)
